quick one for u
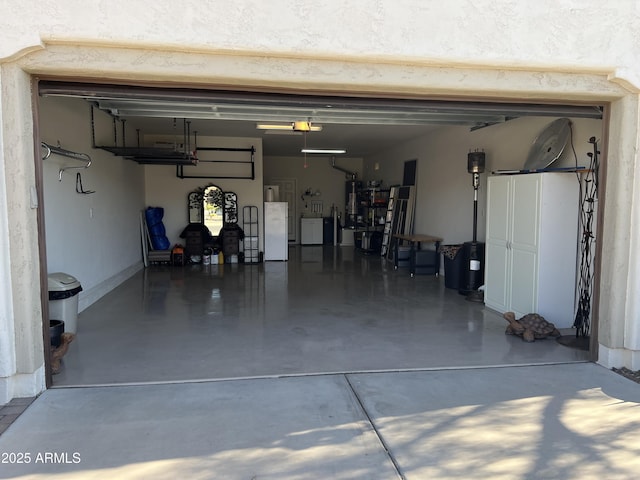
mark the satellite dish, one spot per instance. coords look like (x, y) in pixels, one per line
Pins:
(549, 145)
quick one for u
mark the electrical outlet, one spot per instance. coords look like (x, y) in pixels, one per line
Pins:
(91, 212)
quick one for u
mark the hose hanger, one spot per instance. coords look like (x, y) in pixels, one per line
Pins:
(83, 157)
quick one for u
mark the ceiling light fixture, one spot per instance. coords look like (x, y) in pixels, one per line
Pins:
(291, 126)
(324, 150)
(302, 126)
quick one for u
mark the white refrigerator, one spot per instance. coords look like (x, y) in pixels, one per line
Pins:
(276, 241)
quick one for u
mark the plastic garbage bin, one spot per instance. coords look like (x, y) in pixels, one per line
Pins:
(63, 299)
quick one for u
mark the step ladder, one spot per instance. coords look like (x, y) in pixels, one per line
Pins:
(388, 222)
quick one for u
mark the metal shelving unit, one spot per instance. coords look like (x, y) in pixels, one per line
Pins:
(251, 240)
(373, 205)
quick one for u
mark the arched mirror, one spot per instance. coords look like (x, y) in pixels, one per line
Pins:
(213, 209)
(207, 206)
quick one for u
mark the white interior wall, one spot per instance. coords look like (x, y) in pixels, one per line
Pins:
(164, 189)
(444, 191)
(319, 175)
(96, 237)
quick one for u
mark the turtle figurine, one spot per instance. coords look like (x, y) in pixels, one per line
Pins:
(530, 327)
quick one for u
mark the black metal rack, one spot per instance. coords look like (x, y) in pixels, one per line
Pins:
(251, 239)
(374, 205)
(249, 163)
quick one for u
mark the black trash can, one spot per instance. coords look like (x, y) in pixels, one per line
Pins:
(327, 230)
(453, 263)
(375, 244)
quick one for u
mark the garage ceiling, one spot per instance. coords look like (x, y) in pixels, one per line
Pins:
(360, 125)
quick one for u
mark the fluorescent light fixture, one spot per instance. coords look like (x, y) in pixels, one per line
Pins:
(293, 126)
(281, 132)
(323, 150)
(274, 126)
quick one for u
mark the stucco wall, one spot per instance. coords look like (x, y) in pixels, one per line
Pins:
(7, 332)
(26, 366)
(568, 36)
(619, 300)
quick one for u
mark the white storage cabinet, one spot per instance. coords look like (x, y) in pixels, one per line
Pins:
(311, 231)
(531, 245)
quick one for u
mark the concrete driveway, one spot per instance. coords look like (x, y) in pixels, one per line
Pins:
(563, 421)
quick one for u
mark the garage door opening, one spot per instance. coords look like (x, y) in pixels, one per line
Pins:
(326, 309)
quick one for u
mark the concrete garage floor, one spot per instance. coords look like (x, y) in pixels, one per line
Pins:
(325, 311)
(331, 365)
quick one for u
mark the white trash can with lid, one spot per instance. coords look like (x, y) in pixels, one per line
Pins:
(63, 299)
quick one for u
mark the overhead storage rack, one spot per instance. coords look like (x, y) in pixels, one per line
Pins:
(152, 155)
(180, 157)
